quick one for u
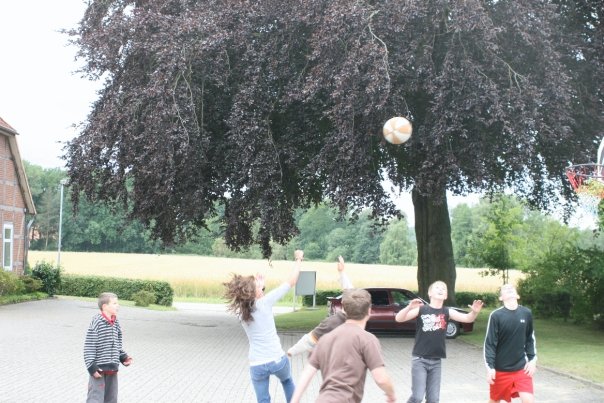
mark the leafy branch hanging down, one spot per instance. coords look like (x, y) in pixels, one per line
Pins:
(266, 107)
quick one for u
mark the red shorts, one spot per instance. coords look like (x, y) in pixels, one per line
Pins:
(508, 384)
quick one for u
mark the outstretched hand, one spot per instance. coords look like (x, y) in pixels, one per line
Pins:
(260, 280)
(476, 306)
(299, 255)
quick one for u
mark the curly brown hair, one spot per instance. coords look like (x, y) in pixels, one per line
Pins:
(241, 296)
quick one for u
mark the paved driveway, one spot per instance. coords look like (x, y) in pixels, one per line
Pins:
(198, 354)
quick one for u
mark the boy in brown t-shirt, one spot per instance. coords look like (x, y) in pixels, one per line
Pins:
(345, 354)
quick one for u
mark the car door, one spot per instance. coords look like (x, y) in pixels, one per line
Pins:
(380, 315)
(401, 299)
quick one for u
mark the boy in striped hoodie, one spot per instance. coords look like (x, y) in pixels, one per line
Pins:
(103, 351)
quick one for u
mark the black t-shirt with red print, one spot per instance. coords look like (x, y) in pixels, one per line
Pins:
(431, 332)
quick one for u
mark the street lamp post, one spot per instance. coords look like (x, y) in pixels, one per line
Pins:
(63, 182)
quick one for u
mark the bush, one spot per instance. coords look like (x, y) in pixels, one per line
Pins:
(10, 284)
(92, 286)
(31, 284)
(143, 298)
(546, 304)
(49, 275)
(567, 283)
(15, 299)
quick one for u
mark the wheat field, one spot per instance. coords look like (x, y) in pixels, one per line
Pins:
(202, 276)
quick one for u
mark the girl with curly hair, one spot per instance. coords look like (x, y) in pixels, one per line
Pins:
(246, 299)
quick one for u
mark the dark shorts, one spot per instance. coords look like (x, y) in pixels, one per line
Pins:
(508, 384)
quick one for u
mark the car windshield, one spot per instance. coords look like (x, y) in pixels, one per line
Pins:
(379, 297)
(401, 298)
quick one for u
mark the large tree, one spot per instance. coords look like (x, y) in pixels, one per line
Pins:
(266, 106)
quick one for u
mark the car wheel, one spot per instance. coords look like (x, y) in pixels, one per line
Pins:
(452, 330)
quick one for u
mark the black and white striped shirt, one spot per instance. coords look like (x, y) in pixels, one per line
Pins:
(103, 345)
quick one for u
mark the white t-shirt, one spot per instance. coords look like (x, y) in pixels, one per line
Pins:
(265, 345)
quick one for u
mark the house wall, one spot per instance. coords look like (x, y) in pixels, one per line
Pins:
(12, 206)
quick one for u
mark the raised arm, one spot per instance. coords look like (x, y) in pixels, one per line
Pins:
(410, 311)
(344, 280)
(467, 317)
(298, 257)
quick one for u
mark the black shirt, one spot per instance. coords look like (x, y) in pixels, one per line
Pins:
(510, 340)
(431, 331)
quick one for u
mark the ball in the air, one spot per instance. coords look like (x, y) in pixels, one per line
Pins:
(397, 130)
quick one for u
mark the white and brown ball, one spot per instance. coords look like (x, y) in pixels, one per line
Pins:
(397, 130)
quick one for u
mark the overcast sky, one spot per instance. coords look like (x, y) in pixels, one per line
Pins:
(40, 97)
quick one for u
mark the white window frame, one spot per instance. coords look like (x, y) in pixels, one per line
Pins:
(10, 243)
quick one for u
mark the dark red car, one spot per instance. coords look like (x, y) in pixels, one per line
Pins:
(385, 303)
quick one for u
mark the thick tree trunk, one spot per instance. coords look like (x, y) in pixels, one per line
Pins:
(434, 247)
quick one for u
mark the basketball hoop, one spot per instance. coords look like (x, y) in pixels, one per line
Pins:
(587, 180)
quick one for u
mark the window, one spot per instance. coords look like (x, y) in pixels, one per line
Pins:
(7, 247)
(379, 297)
(400, 298)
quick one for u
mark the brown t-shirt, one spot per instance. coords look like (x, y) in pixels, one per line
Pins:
(343, 357)
(328, 324)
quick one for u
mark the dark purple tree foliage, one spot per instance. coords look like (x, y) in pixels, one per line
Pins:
(269, 106)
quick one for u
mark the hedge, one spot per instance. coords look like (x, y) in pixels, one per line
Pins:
(92, 286)
(465, 298)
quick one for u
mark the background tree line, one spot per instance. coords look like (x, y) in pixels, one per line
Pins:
(563, 265)
(498, 233)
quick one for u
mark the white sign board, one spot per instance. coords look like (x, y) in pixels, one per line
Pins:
(307, 282)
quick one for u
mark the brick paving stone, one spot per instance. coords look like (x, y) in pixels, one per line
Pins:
(199, 354)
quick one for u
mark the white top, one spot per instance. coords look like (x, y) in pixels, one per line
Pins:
(265, 345)
(345, 281)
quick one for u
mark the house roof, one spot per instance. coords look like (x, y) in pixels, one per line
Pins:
(6, 126)
(8, 131)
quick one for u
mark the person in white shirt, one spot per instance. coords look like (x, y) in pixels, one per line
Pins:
(246, 299)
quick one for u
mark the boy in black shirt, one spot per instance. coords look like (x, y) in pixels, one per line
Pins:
(509, 350)
(430, 334)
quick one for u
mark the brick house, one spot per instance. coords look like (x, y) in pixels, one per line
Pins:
(16, 203)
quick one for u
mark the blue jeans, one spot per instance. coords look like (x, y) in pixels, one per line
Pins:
(260, 379)
(425, 380)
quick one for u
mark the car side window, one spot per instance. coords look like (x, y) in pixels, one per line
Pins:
(379, 298)
(400, 299)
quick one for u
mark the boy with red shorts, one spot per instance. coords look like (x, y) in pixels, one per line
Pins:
(509, 350)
